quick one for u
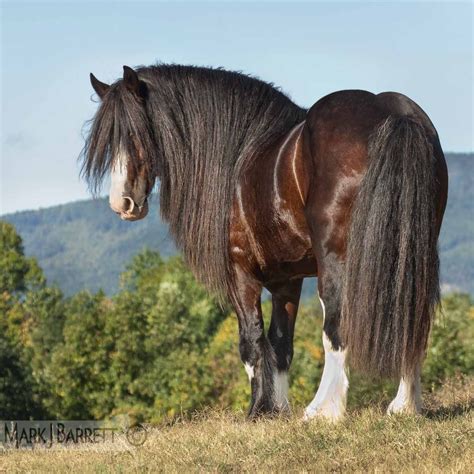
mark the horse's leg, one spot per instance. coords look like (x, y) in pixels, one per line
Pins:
(256, 351)
(330, 399)
(285, 300)
(408, 398)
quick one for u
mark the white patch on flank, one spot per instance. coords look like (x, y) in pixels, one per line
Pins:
(118, 179)
(330, 399)
(249, 370)
(279, 333)
(280, 387)
(408, 398)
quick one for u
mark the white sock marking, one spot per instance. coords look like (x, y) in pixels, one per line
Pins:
(249, 370)
(408, 398)
(280, 387)
(330, 399)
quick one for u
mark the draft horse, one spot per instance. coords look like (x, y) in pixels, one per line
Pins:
(260, 193)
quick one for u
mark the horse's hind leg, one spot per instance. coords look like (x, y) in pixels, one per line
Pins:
(408, 398)
(285, 300)
(330, 399)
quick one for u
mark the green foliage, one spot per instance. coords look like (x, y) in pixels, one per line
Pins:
(12, 261)
(79, 363)
(450, 349)
(22, 300)
(19, 273)
(16, 401)
(227, 381)
(139, 353)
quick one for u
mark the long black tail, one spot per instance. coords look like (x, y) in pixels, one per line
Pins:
(391, 285)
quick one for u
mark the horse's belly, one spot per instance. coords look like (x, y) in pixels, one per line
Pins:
(289, 270)
(288, 253)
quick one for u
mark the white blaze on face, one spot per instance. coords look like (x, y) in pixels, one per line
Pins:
(118, 180)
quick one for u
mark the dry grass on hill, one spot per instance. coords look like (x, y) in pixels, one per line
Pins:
(367, 441)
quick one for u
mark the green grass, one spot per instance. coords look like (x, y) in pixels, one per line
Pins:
(441, 440)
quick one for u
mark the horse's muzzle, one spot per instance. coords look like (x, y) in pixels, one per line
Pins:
(130, 211)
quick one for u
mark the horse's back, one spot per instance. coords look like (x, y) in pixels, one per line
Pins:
(355, 113)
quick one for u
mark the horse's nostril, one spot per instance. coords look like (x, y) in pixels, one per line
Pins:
(128, 204)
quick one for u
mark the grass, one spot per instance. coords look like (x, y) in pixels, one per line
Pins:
(441, 440)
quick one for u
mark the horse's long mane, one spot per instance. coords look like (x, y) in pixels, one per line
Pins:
(207, 125)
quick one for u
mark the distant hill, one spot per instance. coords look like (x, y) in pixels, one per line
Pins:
(457, 234)
(85, 245)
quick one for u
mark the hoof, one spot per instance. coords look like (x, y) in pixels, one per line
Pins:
(396, 408)
(261, 409)
(330, 416)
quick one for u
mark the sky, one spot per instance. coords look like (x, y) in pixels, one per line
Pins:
(309, 49)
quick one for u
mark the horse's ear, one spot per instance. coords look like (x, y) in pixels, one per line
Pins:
(130, 78)
(100, 87)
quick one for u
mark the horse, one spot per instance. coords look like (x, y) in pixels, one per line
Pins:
(261, 193)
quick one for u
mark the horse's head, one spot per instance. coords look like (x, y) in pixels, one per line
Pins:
(121, 143)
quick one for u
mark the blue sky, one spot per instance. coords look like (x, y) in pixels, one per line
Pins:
(422, 49)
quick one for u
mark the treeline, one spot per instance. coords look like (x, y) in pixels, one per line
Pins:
(161, 347)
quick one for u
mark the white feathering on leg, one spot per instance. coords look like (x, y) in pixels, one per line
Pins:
(249, 370)
(280, 387)
(408, 398)
(330, 399)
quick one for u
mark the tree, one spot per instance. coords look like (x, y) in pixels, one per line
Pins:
(78, 371)
(20, 277)
(163, 321)
(452, 336)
